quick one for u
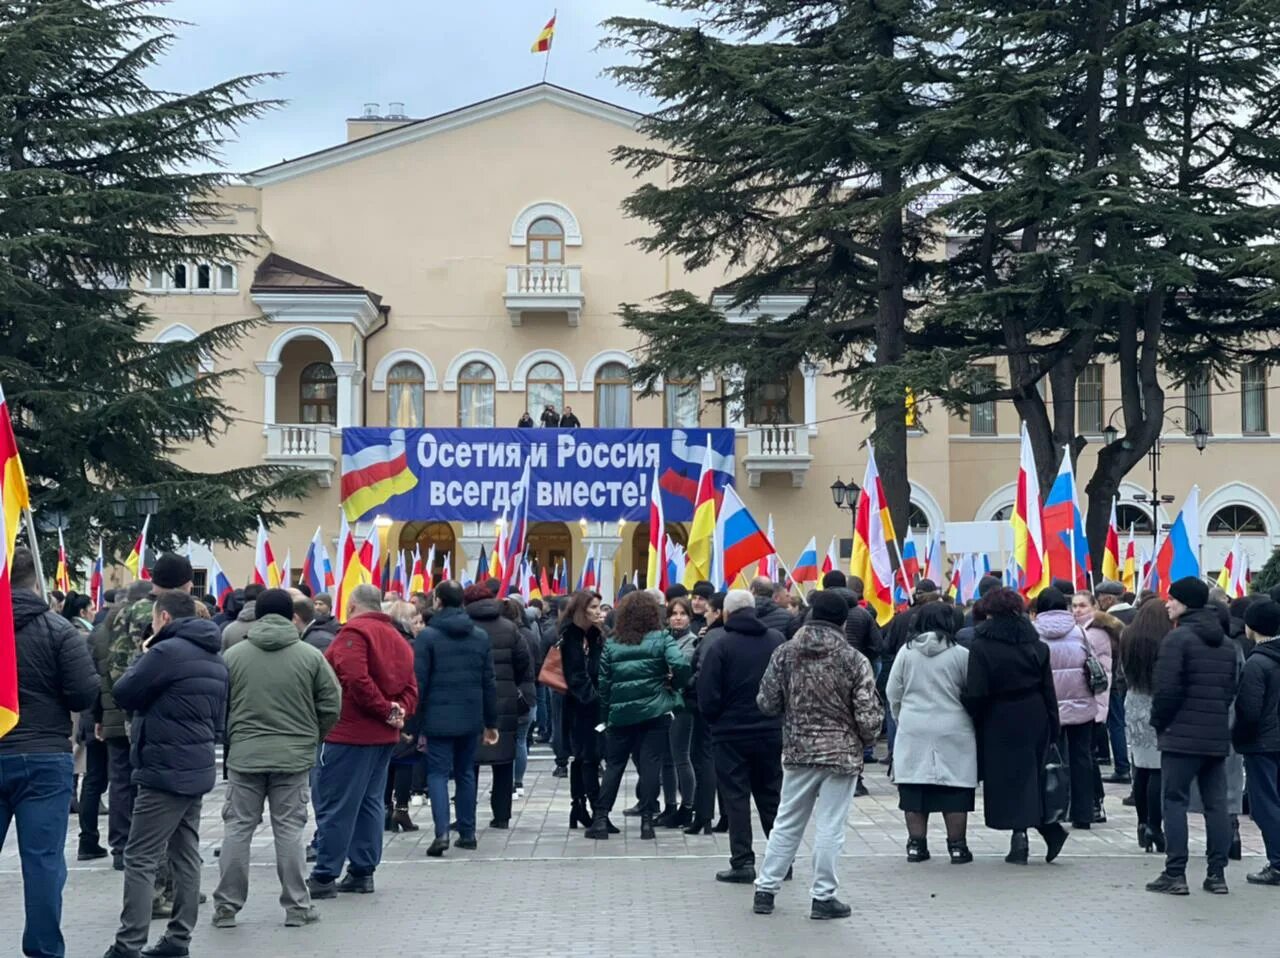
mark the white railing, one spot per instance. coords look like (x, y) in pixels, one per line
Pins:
(300, 441)
(777, 442)
(548, 281)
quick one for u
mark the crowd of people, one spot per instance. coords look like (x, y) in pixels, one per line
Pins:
(723, 699)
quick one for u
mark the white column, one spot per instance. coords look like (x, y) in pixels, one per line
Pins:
(346, 373)
(269, 372)
(810, 372)
(603, 536)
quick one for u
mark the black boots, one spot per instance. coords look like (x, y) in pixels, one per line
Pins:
(1055, 836)
(959, 852)
(701, 826)
(683, 817)
(1151, 839)
(599, 828)
(646, 827)
(400, 820)
(917, 850)
(578, 815)
(1234, 852)
(1019, 848)
(668, 817)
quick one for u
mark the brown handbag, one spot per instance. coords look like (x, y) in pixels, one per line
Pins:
(552, 672)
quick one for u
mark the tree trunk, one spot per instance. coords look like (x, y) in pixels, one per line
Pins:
(891, 316)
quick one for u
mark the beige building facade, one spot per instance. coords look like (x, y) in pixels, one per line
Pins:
(465, 268)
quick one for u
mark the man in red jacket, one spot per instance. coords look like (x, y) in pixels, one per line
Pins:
(374, 665)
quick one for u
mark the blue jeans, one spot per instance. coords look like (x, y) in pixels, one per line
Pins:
(544, 714)
(1115, 731)
(457, 755)
(35, 789)
(349, 809)
(558, 743)
(522, 744)
(1263, 778)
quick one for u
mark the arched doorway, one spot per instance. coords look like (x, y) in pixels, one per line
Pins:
(550, 545)
(424, 535)
(640, 547)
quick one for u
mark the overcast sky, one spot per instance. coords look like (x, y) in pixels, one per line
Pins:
(337, 55)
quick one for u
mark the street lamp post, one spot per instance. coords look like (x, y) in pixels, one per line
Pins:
(846, 497)
(1199, 435)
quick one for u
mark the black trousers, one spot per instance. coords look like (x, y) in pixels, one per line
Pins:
(502, 786)
(1177, 772)
(704, 770)
(647, 741)
(92, 789)
(748, 769)
(1148, 800)
(399, 785)
(1076, 742)
(120, 792)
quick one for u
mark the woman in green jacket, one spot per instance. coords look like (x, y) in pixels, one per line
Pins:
(641, 672)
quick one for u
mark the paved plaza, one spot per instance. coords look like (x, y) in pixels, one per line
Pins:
(541, 889)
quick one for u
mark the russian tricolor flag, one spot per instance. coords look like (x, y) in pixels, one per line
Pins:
(806, 567)
(315, 565)
(739, 538)
(219, 585)
(1179, 554)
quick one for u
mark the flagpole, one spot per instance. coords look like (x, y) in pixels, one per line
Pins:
(901, 568)
(550, 43)
(30, 522)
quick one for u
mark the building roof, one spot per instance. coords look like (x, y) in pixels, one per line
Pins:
(279, 274)
(420, 129)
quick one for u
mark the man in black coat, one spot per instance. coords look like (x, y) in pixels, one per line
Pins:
(1195, 681)
(1256, 734)
(55, 678)
(177, 693)
(457, 703)
(746, 742)
(568, 420)
(769, 612)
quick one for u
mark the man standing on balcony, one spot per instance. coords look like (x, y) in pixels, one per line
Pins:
(569, 420)
(550, 418)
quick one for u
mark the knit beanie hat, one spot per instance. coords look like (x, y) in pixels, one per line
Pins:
(1191, 592)
(828, 607)
(1264, 618)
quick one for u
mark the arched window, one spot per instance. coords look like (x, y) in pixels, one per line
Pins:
(1237, 520)
(1138, 516)
(544, 386)
(613, 397)
(475, 395)
(318, 394)
(405, 394)
(918, 522)
(545, 242)
(1002, 514)
(681, 403)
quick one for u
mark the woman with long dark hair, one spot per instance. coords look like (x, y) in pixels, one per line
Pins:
(1139, 648)
(1009, 692)
(641, 669)
(581, 641)
(679, 619)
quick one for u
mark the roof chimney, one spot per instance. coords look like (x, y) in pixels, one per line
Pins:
(371, 111)
(395, 110)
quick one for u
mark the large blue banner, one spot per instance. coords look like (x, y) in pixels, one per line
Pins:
(471, 475)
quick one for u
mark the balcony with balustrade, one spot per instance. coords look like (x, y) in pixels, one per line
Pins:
(304, 446)
(780, 448)
(534, 288)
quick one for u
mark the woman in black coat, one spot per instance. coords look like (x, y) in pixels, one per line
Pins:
(581, 641)
(1010, 695)
(513, 672)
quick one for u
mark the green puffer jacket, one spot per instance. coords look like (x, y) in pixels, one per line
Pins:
(636, 681)
(284, 699)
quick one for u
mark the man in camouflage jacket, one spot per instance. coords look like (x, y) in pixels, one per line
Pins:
(117, 643)
(825, 691)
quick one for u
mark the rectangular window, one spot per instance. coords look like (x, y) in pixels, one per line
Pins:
(1199, 400)
(226, 277)
(1253, 398)
(179, 276)
(204, 276)
(156, 278)
(681, 404)
(982, 415)
(1089, 400)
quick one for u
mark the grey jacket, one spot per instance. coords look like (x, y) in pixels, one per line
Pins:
(936, 743)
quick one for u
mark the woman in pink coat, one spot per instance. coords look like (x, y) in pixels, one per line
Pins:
(1077, 705)
(1103, 633)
